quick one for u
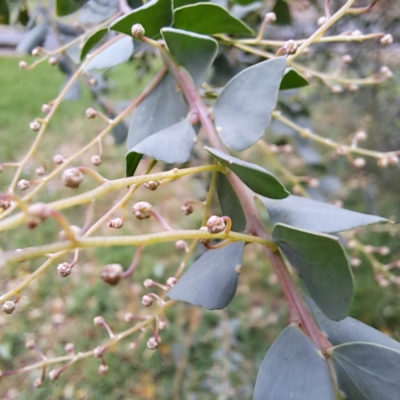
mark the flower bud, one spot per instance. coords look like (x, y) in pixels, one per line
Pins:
(36, 51)
(384, 250)
(187, 209)
(40, 171)
(37, 382)
(355, 262)
(23, 65)
(5, 204)
(148, 283)
(142, 210)
(38, 213)
(270, 17)
(393, 159)
(30, 344)
(386, 72)
(215, 224)
(147, 300)
(91, 113)
(46, 108)
(353, 87)
(360, 136)
(152, 185)
(116, 223)
(356, 33)
(336, 89)
(95, 160)
(359, 162)
(180, 245)
(112, 274)
(162, 324)
(98, 351)
(103, 369)
(64, 269)
(313, 183)
(72, 178)
(92, 82)
(383, 162)
(23, 184)
(69, 348)
(54, 374)
(58, 159)
(290, 46)
(98, 321)
(171, 282)
(77, 231)
(204, 229)
(152, 343)
(387, 39)
(8, 307)
(137, 31)
(347, 58)
(321, 21)
(53, 60)
(34, 125)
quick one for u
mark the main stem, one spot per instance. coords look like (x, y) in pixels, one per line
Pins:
(298, 310)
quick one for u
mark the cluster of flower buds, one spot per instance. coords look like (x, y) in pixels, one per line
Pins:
(142, 210)
(72, 178)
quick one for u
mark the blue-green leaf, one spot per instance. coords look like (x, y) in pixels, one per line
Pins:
(243, 110)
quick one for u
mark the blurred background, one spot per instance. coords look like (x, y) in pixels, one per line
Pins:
(203, 354)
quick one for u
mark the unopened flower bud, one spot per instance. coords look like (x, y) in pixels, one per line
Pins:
(90, 113)
(77, 231)
(46, 108)
(386, 72)
(286, 148)
(30, 344)
(142, 210)
(360, 136)
(92, 82)
(5, 204)
(336, 89)
(341, 150)
(147, 300)
(215, 224)
(116, 223)
(53, 60)
(137, 31)
(313, 183)
(37, 382)
(58, 159)
(72, 178)
(290, 46)
(103, 369)
(40, 171)
(23, 65)
(112, 274)
(36, 51)
(383, 162)
(270, 17)
(201, 240)
(355, 262)
(321, 21)
(162, 324)
(23, 184)
(34, 125)
(393, 159)
(69, 348)
(353, 87)
(98, 351)
(384, 250)
(387, 39)
(98, 321)
(8, 307)
(95, 160)
(187, 209)
(180, 245)
(38, 213)
(152, 185)
(347, 58)
(356, 33)
(171, 282)
(148, 283)
(359, 162)
(54, 374)
(64, 269)
(297, 189)
(152, 343)
(351, 244)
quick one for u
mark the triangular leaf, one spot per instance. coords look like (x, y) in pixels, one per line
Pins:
(65, 7)
(350, 330)
(209, 19)
(32, 38)
(292, 80)
(163, 107)
(255, 177)
(323, 267)
(192, 51)
(367, 371)
(230, 203)
(316, 216)
(92, 41)
(243, 110)
(293, 369)
(153, 16)
(117, 53)
(211, 282)
(170, 145)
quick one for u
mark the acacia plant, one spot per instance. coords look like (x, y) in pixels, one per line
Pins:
(190, 121)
